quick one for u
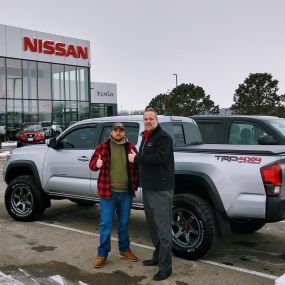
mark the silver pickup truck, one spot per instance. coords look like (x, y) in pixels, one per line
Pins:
(218, 187)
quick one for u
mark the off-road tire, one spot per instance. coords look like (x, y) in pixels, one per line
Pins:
(194, 229)
(24, 200)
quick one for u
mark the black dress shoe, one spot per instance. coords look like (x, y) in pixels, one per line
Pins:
(161, 275)
(150, 262)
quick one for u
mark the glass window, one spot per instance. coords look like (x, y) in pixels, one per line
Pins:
(83, 110)
(44, 80)
(71, 111)
(82, 84)
(58, 109)
(29, 80)
(2, 111)
(58, 81)
(70, 82)
(192, 134)
(234, 135)
(101, 110)
(31, 111)
(245, 133)
(2, 78)
(45, 111)
(14, 112)
(83, 138)
(14, 78)
(179, 136)
(211, 132)
(258, 132)
(278, 125)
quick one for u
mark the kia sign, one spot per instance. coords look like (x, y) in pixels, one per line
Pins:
(55, 48)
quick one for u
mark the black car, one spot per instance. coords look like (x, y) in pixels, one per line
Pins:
(241, 129)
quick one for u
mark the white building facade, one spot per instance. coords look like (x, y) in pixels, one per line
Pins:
(103, 99)
(44, 77)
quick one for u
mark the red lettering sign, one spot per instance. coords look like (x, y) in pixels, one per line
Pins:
(56, 48)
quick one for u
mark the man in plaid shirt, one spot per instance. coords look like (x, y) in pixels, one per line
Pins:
(117, 183)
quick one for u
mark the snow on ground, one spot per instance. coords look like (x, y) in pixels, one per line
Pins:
(4, 153)
(6, 144)
(9, 143)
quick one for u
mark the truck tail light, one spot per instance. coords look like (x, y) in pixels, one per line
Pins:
(272, 179)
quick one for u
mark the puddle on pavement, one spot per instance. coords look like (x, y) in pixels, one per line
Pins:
(70, 274)
(245, 243)
(19, 236)
(181, 283)
(43, 248)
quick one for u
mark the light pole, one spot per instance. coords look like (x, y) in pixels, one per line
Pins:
(175, 78)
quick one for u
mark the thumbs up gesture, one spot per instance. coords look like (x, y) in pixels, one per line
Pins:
(131, 156)
(99, 162)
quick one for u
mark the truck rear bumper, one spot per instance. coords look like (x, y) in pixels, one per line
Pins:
(275, 209)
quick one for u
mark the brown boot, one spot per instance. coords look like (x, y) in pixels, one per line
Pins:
(129, 255)
(100, 261)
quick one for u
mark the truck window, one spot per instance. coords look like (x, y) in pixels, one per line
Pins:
(278, 125)
(83, 138)
(192, 134)
(179, 135)
(183, 133)
(175, 130)
(212, 132)
(245, 133)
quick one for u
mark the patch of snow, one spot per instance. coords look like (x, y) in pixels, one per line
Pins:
(280, 280)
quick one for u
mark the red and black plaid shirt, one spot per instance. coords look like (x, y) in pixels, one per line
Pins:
(103, 183)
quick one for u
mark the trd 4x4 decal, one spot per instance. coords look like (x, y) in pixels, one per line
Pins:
(239, 159)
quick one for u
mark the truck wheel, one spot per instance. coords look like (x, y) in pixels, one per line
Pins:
(193, 226)
(23, 199)
(246, 227)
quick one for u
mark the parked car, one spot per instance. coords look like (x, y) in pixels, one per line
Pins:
(241, 129)
(31, 133)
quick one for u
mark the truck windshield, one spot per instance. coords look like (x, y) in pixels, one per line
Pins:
(278, 125)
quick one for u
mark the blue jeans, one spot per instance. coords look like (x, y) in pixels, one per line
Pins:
(121, 204)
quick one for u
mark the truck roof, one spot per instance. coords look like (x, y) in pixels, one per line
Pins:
(260, 117)
(136, 118)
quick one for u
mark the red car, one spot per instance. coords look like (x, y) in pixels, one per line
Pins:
(30, 134)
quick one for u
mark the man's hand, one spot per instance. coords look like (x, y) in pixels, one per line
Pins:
(132, 156)
(99, 162)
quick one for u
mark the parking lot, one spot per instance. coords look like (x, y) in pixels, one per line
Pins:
(60, 248)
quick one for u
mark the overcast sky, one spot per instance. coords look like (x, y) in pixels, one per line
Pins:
(138, 45)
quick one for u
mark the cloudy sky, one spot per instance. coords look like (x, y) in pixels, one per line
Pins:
(139, 45)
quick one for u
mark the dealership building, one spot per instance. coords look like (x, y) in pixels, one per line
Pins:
(46, 77)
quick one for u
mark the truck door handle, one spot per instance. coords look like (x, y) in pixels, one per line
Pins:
(83, 158)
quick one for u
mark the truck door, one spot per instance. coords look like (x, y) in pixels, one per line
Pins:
(67, 167)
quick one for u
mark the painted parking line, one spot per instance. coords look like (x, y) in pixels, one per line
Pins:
(269, 276)
(90, 234)
(256, 273)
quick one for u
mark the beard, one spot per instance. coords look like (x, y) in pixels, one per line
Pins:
(118, 138)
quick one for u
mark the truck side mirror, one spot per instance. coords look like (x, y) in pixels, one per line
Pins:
(52, 142)
(267, 140)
